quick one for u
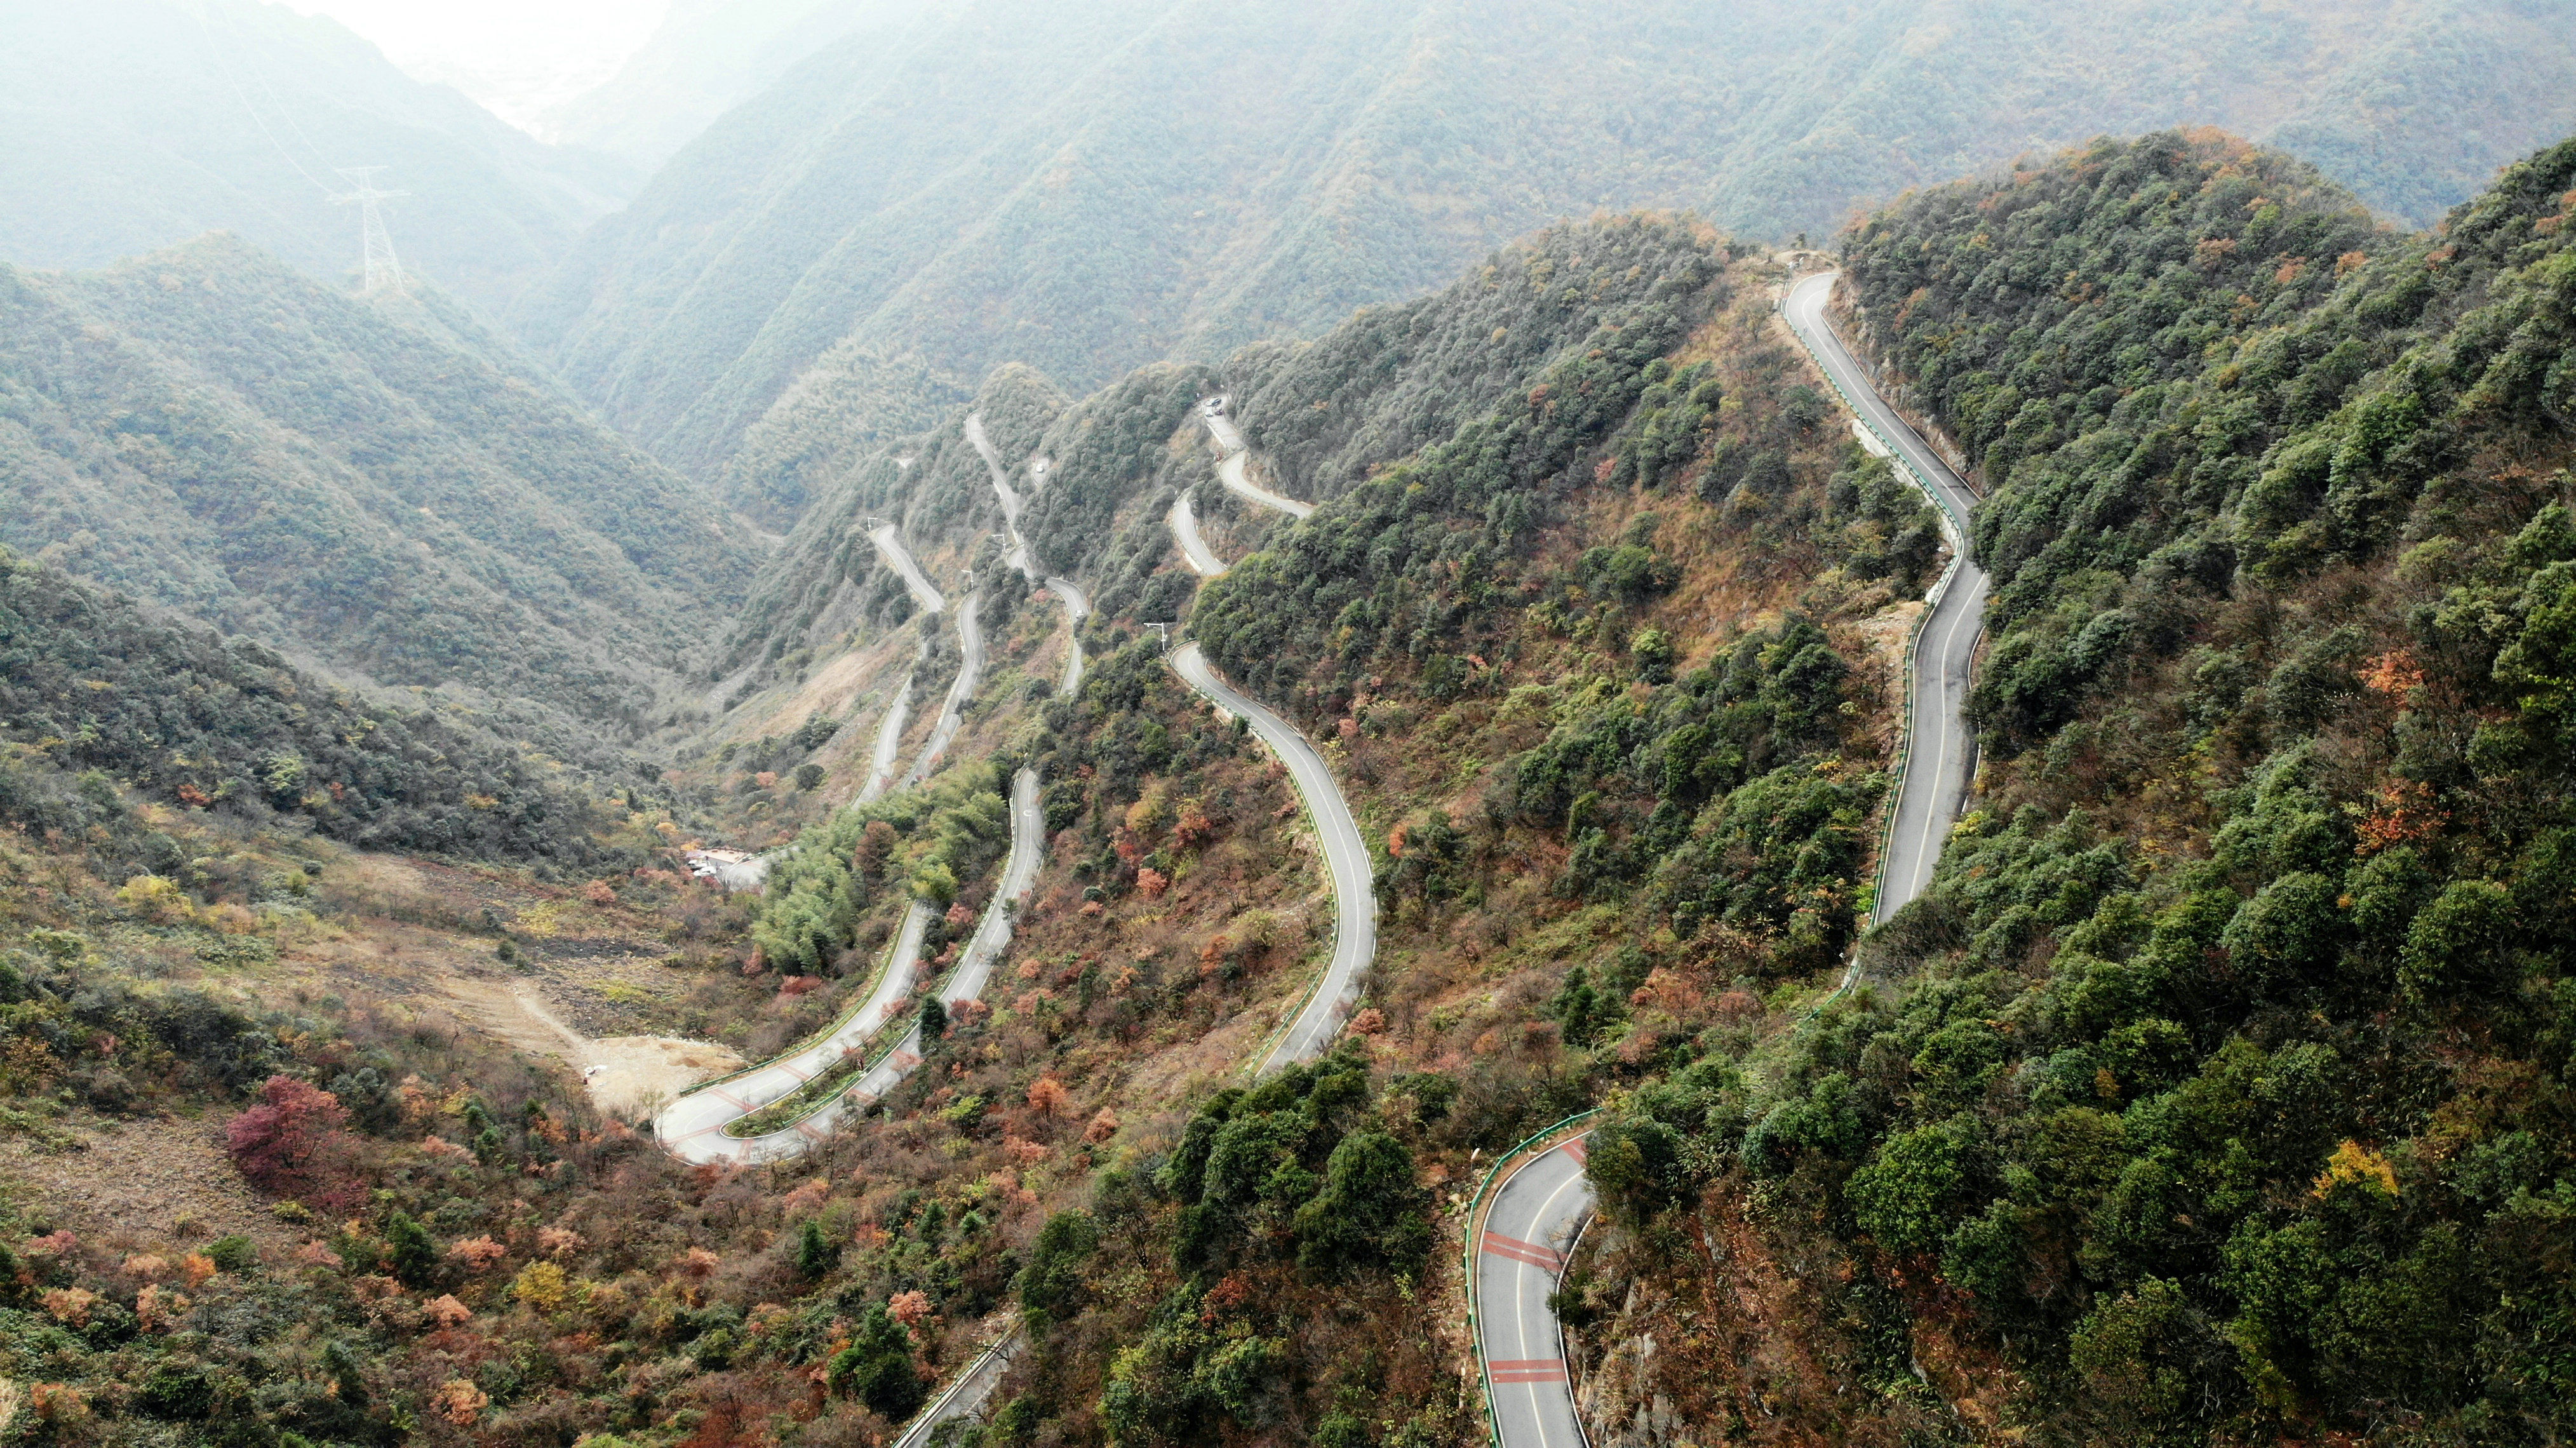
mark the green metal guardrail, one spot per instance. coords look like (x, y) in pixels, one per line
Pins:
(1467, 1263)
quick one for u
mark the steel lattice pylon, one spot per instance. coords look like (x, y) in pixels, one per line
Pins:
(382, 269)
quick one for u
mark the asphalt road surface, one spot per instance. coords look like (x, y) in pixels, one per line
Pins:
(1354, 901)
(1941, 751)
(889, 743)
(1232, 470)
(993, 464)
(1539, 1210)
(692, 1127)
(1018, 554)
(1079, 608)
(890, 546)
(952, 710)
(1185, 531)
(984, 949)
(1528, 1232)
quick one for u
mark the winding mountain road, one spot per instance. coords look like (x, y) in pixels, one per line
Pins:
(1233, 469)
(967, 1393)
(1185, 531)
(889, 743)
(983, 446)
(692, 1127)
(1018, 554)
(1345, 852)
(890, 547)
(952, 709)
(1541, 1203)
(1319, 1018)
(1528, 1231)
(1077, 607)
(1939, 761)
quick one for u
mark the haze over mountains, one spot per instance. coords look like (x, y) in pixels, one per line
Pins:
(885, 199)
(707, 57)
(364, 483)
(1086, 188)
(134, 124)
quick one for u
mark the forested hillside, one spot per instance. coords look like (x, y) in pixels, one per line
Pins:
(95, 690)
(1086, 189)
(368, 708)
(137, 124)
(1323, 415)
(1597, 637)
(207, 430)
(2219, 1089)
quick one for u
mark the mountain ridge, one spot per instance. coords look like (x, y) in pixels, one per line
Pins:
(205, 428)
(1175, 178)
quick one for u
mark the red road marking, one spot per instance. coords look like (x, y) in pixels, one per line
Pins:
(1551, 1373)
(1496, 1244)
(1576, 1150)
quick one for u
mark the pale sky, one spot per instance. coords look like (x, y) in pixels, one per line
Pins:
(517, 57)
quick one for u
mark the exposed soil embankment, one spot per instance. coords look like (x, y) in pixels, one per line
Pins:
(1742, 1322)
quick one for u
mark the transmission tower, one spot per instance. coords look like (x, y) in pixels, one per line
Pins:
(382, 270)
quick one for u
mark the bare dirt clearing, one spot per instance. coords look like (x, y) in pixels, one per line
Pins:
(587, 989)
(145, 1184)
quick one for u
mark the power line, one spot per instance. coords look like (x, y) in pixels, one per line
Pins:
(376, 244)
(287, 115)
(216, 55)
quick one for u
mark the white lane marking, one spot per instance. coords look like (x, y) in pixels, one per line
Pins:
(1940, 764)
(1520, 1282)
(1845, 371)
(1520, 1309)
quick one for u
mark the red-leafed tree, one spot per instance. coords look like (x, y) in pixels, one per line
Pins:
(293, 1142)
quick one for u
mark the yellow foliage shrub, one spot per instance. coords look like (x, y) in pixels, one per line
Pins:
(542, 1285)
(2358, 1165)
